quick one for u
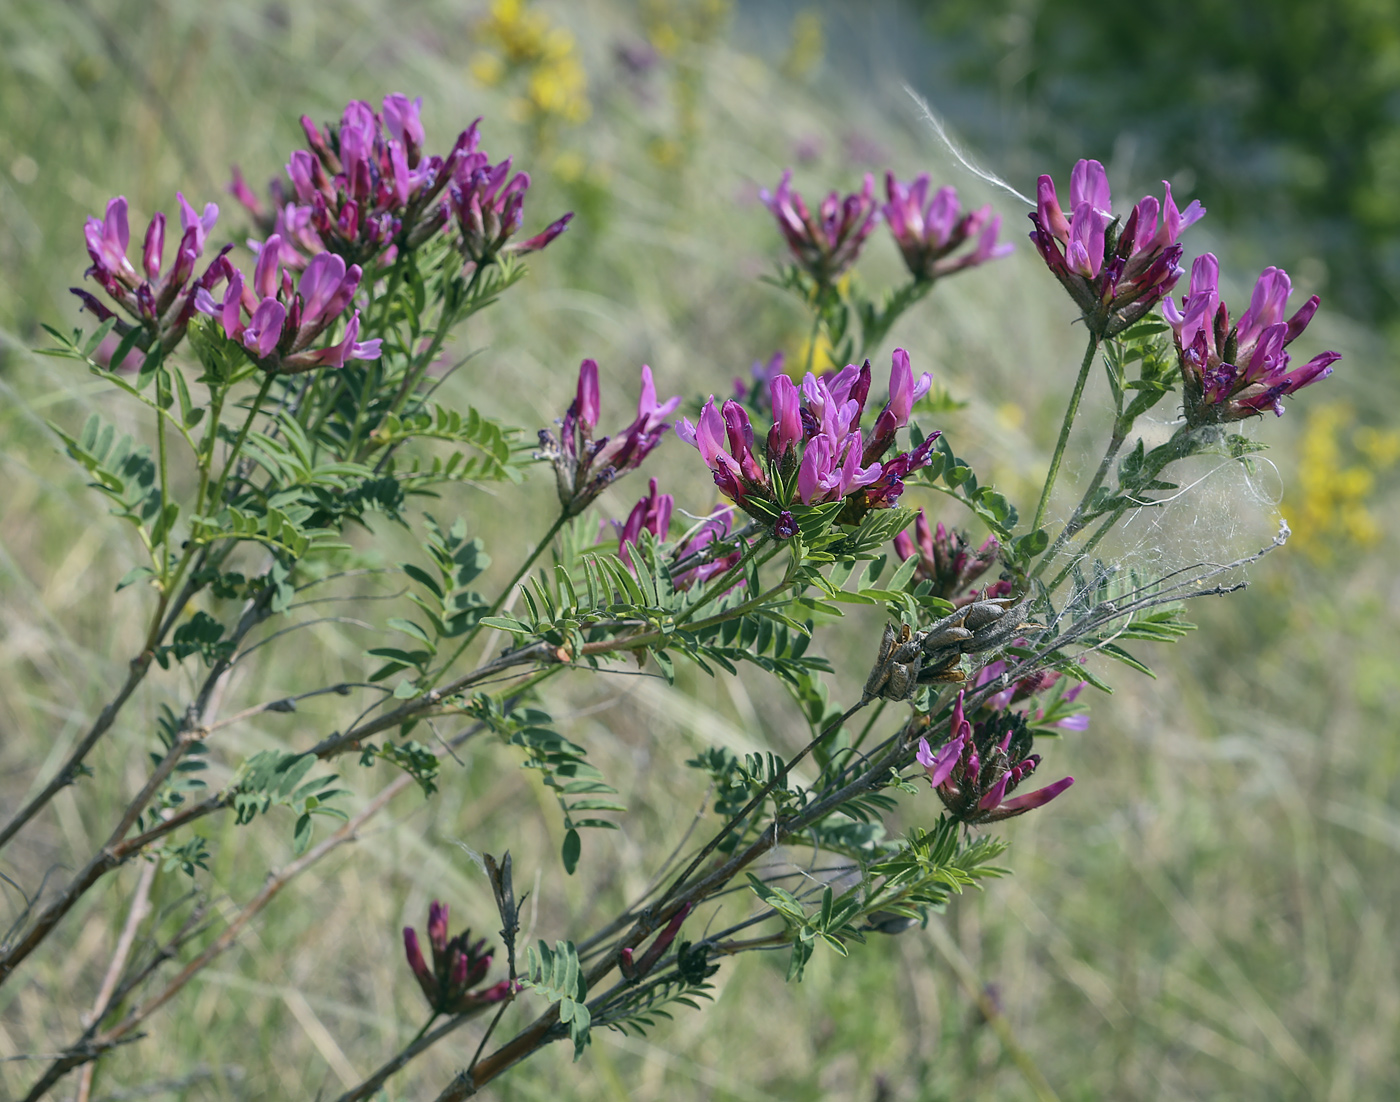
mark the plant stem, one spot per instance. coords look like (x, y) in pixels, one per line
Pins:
(216, 498)
(1065, 427)
(812, 339)
(164, 490)
(505, 592)
(734, 573)
(1076, 520)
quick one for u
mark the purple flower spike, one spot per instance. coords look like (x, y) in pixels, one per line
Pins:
(1232, 373)
(815, 445)
(365, 188)
(1115, 274)
(160, 300)
(284, 322)
(929, 231)
(824, 245)
(946, 559)
(458, 965)
(975, 771)
(583, 467)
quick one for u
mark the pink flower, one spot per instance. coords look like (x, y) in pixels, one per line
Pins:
(583, 467)
(827, 243)
(1114, 275)
(1232, 373)
(928, 231)
(283, 323)
(160, 300)
(651, 514)
(815, 445)
(975, 771)
(458, 965)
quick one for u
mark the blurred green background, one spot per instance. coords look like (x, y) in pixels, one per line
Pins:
(1211, 912)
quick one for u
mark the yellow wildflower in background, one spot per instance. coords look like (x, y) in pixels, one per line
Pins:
(807, 47)
(669, 24)
(1336, 478)
(523, 44)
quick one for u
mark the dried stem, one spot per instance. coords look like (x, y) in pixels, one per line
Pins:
(140, 908)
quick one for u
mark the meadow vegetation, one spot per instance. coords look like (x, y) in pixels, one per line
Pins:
(1209, 913)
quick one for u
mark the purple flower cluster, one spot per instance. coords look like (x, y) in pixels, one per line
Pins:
(826, 243)
(948, 560)
(584, 467)
(160, 299)
(1230, 373)
(282, 323)
(364, 187)
(975, 771)
(929, 230)
(458, 965)
(815, 451)
(1115, 275)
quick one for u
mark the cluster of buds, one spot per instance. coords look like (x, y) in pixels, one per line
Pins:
(458, 965)
(826, 243)
(364, 187)
(928, 231)
(282, 322)
(1114, 274)
(1229, 373)
(975, 771)
(160, 299)
(489, 208)
(815, 451)
(583, 466)
(948, 560)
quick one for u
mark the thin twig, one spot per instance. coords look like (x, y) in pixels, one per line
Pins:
(140, 908)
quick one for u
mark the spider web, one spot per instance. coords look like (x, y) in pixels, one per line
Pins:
(1222, 512)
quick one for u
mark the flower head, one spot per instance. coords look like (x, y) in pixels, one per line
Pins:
(458, 965)
(489, 204)
(977, 768)
(815, 451)
(929, 230)
(1115, 274)
(583, 466)
(947, 558)
(826, 243)
(1229, 373)
(282, 323)
(160, 299)
(365, 186)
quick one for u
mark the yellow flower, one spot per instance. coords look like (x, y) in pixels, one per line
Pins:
(1334, 483)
